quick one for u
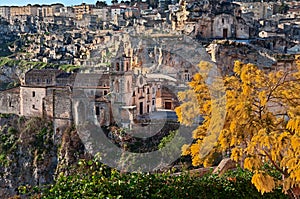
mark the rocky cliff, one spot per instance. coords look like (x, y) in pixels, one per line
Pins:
(31, 154)
(225, 52)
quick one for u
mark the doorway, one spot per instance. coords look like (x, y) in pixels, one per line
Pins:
(141, 108)
(225, 33)
(168, 105)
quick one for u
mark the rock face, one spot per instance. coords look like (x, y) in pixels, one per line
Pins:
(225, 52)
(29, 154)
(9, 76)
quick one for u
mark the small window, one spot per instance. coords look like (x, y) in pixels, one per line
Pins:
(153, 102)
(33, 106)
(222, 21)
(97, 110)
(33, 93)
(105, 92)
(128, 86)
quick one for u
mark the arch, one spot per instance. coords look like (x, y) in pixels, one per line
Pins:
(117, 66)
(116, 86)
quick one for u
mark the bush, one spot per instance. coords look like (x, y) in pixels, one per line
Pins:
(94, 180)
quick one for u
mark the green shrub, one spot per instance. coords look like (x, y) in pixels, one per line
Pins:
(93, 180)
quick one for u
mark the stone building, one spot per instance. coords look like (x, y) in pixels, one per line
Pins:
(211, 20)
(229, 26)
(115, 96)
(5, 12)
(34, 90)
(24, 10)
(49, 10)
(222, 26)
(260, 10)
(80, 10)
(101, 13)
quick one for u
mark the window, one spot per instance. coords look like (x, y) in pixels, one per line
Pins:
(33, 106)
(97, 110)
(153, 102)
(222, 21)
(33, 93)
(128, 86)
(117, 87)
(187, 77)
(105, 92)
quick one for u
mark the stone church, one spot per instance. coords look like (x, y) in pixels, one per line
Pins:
(118, 95)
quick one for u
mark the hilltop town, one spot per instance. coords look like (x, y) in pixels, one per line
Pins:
(120, 67)
(121, 52)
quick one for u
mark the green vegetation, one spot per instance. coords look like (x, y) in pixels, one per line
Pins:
(34, 134)
(26, 65)
(8, 140)
(91, 179)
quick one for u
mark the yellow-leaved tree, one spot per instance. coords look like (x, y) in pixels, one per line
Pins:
(261, 129)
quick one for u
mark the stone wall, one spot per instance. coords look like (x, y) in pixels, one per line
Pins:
(62, 104)
(43, 77)
(223, 26)
(225, 52)
(10, 101)
(31, 101)
(204, 27)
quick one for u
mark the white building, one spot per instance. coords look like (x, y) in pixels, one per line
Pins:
(5, 12)
(102, 13)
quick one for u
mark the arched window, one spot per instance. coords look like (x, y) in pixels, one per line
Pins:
(116, 87)
(128, 86)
